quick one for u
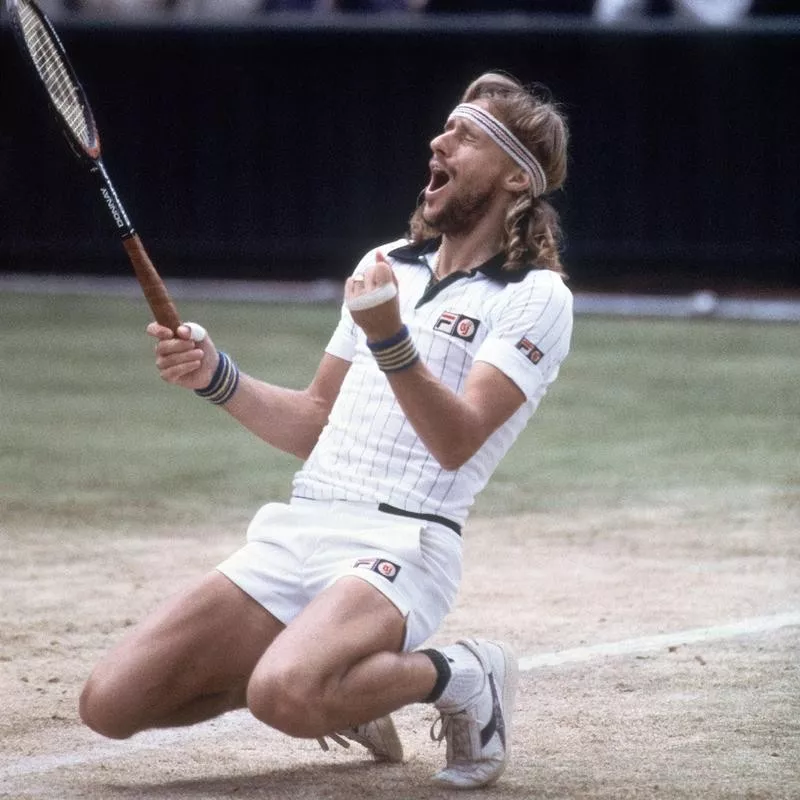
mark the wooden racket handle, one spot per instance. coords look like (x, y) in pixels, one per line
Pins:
(155, 291)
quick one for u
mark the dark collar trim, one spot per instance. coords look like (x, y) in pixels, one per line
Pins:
(413, 252)
(493, 268)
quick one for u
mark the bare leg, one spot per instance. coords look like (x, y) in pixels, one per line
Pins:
(338, 664)
(189, 661)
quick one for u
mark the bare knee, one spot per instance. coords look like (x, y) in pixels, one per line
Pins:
(290, 701)
(99, 709)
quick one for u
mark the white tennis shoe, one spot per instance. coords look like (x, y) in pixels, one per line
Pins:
(477, 727)
(379, 737)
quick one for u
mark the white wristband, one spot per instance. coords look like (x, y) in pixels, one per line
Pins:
(197, 332)
(374, 298)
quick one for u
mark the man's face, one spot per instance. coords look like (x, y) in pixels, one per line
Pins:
(466, 172)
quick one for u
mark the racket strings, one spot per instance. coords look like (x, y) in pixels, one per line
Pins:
(56, 77)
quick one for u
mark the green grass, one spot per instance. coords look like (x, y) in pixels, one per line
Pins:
(644, 412)
(646, 409)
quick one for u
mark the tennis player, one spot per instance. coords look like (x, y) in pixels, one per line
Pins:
(447, 342)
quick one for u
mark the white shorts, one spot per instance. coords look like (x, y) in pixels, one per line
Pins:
(295, 551)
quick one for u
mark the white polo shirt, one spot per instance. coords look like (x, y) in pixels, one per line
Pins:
(520, 322)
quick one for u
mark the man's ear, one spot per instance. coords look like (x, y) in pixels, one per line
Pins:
(517, 181)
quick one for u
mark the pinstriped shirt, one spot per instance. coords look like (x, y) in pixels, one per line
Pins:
(521, 323)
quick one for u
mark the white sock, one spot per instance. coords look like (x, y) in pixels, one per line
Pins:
(466, 678)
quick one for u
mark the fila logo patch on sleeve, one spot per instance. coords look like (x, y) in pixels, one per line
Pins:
(457, 325)
(530, 350)
(383, 567)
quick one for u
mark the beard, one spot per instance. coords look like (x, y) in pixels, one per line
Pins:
(459, 215)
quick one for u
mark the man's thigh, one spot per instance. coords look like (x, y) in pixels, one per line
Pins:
(334, 658)
(341, 626)
(205, 640)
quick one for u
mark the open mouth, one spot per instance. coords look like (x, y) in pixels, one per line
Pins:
(439, 179)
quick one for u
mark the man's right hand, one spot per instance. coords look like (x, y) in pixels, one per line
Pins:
(181, 360)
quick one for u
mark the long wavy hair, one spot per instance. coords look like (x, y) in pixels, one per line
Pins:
(532, 232)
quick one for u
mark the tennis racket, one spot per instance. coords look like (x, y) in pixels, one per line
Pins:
(41, 46)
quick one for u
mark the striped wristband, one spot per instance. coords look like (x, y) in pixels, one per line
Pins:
(396, 353)
(223, 384)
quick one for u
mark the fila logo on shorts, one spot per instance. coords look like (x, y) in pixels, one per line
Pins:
(457, 325)
(388, 569)
(530, 350)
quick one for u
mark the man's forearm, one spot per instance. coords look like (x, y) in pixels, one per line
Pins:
(290, 420)
(455, 426)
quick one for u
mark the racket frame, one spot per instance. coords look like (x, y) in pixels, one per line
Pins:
(153, 287)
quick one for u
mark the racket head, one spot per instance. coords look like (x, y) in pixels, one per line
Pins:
(44, 51)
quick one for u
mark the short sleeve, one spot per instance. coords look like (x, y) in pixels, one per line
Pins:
(343, 340)
(530, 329)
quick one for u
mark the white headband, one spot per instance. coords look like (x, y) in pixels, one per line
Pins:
(506, 140)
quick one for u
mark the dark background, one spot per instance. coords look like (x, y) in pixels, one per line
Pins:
(284, 147)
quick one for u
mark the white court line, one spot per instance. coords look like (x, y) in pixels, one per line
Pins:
(239, 721)
(663, 641)
(149, 740)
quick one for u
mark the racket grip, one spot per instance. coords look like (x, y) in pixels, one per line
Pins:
(155, 292)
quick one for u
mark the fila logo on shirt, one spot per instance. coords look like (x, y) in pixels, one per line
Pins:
(457, 325)
(388, 569)
(530, 350)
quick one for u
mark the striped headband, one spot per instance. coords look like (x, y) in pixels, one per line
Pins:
(506, 140)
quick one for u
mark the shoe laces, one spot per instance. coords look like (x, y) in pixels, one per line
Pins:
(454, 728)
(340, 740)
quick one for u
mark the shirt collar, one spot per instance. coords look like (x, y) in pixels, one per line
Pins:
(492, 268)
